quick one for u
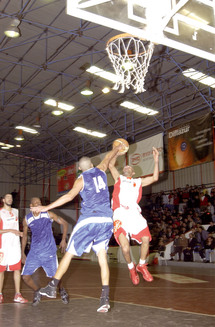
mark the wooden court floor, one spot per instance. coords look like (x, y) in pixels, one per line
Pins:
(178, 296)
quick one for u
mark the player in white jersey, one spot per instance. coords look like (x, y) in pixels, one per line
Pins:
(10, 248)
(128, 221)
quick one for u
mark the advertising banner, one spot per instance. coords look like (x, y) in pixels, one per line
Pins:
(66, 178)
(140, 155)
(190, 143)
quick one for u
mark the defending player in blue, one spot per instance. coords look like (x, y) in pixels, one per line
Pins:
(95, 224)
(43, 248)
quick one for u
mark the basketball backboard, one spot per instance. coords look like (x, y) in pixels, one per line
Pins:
(186, 25)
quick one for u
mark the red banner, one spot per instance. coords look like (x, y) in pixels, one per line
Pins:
(190, 143)
(66, 178)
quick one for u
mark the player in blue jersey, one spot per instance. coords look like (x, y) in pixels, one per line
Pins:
(95, 224)
(43, 248)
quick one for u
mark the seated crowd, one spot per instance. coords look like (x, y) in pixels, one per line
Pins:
(171, 215)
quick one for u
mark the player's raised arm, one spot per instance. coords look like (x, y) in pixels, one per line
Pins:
(78, 185)
(114, 172)
(154, 178)
(105, 162)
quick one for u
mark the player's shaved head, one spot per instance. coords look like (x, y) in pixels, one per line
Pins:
(85, 163)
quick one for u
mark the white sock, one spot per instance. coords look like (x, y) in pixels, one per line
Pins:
(130, 265)
(142, 262)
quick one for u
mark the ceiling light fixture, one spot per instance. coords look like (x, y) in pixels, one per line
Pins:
(103, 74)
(138, 108)
(60, 105)
(57, 112)
(19, 137)
(106, 90)
(200, 77)
(89, 131)
(87, 90)
(6, 146)
(27, 129)
(37, 123)
(13, 31)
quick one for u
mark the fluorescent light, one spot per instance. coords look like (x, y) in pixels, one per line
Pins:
(89, 132)
(106, 90)
(61, 105)
(51, 102)
(27, 129)
(86, 91)
(57, 112)
(65, 106)
(200, 77)
(138, 108)
(103, 73)
(18, 146)
(6, 145)
(19, 138)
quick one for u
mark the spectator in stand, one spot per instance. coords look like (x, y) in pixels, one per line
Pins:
(165, 200)
(179, 244)
(188, 251)
(186, 195)
(181, 202)
(209, 248)
(175, 201)
(212, 200)
(203, 202)
(211, 228)
(158, 201)
(196, 202)
(171, 201)
(206, 217)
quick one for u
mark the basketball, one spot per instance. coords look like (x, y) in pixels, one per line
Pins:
(121, 141)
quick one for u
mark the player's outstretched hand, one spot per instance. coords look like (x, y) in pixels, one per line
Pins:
(38, 209)
(155, 154)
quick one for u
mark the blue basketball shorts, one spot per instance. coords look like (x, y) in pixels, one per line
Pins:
(93, 232)
(48, 262)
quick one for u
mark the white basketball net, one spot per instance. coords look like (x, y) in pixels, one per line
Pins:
(130, 58)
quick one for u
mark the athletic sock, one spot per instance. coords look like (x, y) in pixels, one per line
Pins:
(105, 291)
(130, 265)
(54, 282)
(142, 262)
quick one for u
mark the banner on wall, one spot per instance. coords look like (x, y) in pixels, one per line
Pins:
(140, 155)
(190, 143)
(66, 178)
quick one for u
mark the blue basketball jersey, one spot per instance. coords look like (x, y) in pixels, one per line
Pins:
(95, 194)
(42, 240)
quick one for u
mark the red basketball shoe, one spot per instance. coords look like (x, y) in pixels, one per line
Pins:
(19, 298)
(1, 298)
(134, 276)
(144, 271)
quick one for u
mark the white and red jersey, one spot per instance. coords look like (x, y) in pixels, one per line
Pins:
(127, 193)
(10, 247)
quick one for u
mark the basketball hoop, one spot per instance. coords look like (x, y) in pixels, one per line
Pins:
(130, 57)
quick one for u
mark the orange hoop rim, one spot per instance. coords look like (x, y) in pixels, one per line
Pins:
(125, 35)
